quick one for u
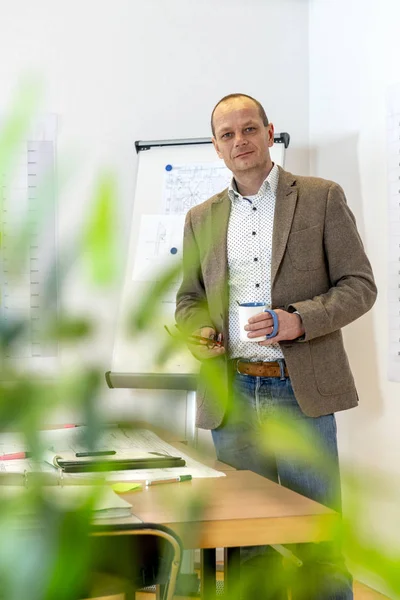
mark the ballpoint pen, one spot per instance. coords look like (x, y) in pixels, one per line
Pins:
(168, 480)
(197, 339)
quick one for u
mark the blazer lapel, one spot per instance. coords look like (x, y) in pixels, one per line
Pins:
(285, 205)
(220, 211)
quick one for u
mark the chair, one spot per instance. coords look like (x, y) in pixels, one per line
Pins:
(128, 557)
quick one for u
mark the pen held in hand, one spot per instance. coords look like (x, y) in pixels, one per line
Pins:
(197, 339)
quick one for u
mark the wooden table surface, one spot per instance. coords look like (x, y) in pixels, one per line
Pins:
(239, 509)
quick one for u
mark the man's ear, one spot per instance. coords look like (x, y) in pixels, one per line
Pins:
(270, 135)
(215, 144)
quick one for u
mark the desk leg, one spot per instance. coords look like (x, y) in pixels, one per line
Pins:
(232, 573)
(190, 424)
(208, 589)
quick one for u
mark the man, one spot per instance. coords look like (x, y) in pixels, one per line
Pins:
(292, 243)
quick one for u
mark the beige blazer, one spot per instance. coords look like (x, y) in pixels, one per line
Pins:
(319, 268)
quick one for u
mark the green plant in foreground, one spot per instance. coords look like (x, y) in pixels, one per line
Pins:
(53, 557)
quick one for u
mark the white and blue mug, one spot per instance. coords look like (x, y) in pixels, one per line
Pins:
(250, 309)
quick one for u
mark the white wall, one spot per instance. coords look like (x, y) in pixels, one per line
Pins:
(354, 56)
(117, 71)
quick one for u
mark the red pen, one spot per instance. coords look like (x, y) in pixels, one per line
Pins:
(16, 456)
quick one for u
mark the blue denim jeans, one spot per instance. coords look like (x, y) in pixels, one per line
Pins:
(241, 442)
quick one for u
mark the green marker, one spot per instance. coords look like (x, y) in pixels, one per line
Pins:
(168, 479)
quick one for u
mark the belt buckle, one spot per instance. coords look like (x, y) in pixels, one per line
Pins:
(237, 360)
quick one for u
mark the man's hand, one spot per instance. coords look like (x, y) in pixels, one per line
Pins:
(205, 349)
(290, 327)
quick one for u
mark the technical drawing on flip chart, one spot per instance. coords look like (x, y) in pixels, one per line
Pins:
(393, 173)
(159, 246)
(187, 185)
(24, 194)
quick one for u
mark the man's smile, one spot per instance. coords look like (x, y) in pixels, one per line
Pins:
(244, 154)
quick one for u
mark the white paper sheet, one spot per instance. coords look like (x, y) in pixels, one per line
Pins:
(142, 439)
(159, 246)
(187, 185)
(112, 438)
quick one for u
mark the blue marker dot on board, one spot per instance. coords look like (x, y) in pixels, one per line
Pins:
(168, 168)
(174, 250)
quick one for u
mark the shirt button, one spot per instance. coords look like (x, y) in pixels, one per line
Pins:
(255, 259)
(257, 285)
(254, 208)
(254, 233)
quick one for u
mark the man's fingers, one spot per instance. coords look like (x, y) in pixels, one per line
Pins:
(260, 317)
(204, 348)
(206, 353)
(263, 328)
(259, 325)
(208, 333)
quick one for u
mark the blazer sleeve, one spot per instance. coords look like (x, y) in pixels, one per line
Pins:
(353, 290)
(191, 302)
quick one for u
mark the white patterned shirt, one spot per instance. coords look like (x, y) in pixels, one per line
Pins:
(249, 261)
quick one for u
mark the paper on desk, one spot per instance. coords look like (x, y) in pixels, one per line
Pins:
(10, 443)
(122, 488)
(122, 439)
(27, 464)
(113, 438)
(59, 439)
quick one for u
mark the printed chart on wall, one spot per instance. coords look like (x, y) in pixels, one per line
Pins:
(28, 212)
(158, 249)
(393, 171)
(159, 246)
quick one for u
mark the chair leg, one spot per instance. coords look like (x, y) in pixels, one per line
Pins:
(160, 589)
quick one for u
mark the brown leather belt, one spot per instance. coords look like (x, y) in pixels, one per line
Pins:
(259, 369)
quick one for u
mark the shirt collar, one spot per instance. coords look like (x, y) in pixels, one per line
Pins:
(271, 180)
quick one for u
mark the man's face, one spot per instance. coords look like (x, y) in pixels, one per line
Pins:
(241, 138)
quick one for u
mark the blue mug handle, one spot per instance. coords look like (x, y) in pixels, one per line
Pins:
(274, 316)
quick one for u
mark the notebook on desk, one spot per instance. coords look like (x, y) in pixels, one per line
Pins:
(69, 462)
(107, 504)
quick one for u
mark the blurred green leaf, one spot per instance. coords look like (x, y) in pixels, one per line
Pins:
(69, 328)
(99, 242)
(147, 309)
(16, 124)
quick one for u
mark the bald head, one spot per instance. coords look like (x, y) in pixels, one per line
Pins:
(230, 97)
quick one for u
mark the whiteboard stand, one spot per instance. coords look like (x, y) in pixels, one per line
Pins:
(279, 138)
(165, 381)
(190, 421)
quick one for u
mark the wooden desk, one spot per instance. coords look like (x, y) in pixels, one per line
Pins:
(241, 509)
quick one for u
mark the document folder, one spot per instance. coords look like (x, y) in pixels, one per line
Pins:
(70, 463)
